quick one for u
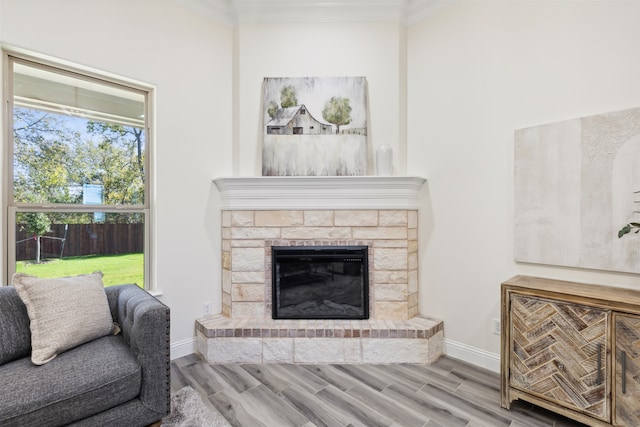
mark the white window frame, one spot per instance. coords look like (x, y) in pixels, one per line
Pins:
(10, 208)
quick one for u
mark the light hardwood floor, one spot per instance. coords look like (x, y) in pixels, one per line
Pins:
(446, 393)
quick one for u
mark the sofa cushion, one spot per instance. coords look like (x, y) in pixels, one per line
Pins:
(15, 337)
(78, 383)
(64, 312)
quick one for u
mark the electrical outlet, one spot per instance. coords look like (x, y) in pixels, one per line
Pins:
(495, 326)
(207, 308)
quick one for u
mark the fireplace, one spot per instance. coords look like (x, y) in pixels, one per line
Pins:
(320, 282)
(260, 214)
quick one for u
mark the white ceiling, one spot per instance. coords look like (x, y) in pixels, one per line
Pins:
(231, 12)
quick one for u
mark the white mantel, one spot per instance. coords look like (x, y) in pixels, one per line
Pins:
(319, 192)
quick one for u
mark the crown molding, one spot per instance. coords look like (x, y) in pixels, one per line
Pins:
(232, 12)
(216, 10)
(318, 11)
(417, 10)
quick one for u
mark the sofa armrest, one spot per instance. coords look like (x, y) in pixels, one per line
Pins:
(145, 324)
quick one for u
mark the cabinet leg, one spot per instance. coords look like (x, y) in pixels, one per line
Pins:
(505, 402)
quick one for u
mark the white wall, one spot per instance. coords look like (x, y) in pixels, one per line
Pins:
(189, 61)
(476, 72)
(320, 50)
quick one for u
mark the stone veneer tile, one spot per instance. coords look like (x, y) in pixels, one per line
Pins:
(278, 218)
(393, 292)
(255, 233)
(242, 219)
(306, 233)
(226, 233)
(246, 243)
(226, 260)
(412, 300)
(379, 233)
(247, 259)
(391, 310)
(413, 281)
(386, 277)
(244, 310)
(394, 350)
(318, 218)
(277, 350)
(226, 299)
(436, 347)
(412, 219)
(393, 218)
(233, 350)
(226, 219)
(391, 243)
(413, 312)
(247, 292)
(390, 259)
(412, 261)
(325, 350)
(202, 345)
(226, 309)
(356, 218)
(249, 277)
(226, 280)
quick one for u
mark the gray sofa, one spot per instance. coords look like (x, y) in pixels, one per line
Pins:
(116, 380)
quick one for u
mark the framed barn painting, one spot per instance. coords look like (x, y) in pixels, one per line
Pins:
(314, 126)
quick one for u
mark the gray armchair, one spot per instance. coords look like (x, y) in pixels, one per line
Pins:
(116, 380)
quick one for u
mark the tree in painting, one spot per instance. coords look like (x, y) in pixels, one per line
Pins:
(288, 97)
(338, 112)
(272, 109)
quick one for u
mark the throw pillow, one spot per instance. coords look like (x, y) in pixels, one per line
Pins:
(63, 312)
(15, 336)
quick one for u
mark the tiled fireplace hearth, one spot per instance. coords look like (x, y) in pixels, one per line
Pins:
(378, 212)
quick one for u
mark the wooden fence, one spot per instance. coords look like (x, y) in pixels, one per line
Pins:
(82, 239)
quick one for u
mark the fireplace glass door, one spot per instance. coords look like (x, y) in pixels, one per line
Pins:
(320, 282)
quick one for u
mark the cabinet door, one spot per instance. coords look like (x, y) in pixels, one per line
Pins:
(558, 353)
(627, 401)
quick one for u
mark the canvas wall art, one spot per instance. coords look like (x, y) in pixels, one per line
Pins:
(314, 126)
(575, 187)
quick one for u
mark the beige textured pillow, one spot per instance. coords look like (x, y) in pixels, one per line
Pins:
(64, 312)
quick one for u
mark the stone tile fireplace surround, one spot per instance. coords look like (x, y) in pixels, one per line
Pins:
(261, 212)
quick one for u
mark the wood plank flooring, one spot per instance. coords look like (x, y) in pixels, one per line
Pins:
(446, 393)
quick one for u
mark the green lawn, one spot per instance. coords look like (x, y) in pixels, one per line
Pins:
(117, 269)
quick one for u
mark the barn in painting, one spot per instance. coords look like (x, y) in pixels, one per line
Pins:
(297, 120)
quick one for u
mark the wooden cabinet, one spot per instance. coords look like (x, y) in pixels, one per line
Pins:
(627, 392)
(557, 349)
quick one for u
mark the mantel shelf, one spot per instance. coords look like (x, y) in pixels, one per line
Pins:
(319, 192)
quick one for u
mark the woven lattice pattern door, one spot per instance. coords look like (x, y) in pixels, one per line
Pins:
(559, 353)
(627, 336)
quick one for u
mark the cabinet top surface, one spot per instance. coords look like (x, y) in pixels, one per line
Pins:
(566, 288)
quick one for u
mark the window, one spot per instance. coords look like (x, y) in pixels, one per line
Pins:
(77, 173)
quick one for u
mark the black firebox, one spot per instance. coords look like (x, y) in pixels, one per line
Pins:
(320, 282)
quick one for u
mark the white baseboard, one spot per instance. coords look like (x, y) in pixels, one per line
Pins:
(183, 348)
(473, 355)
